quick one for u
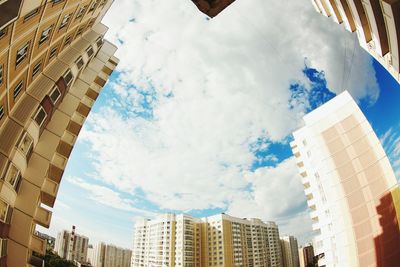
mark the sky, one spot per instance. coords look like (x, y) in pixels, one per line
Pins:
(198, 116)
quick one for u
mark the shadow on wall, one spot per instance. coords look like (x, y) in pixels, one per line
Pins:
(387, 245)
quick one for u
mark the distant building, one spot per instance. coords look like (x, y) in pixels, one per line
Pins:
(71, 246)
(212, 7)
(50, 241)
(350, 186)
(290, 251)
(306, 256)
(218, 241)
(377, 23)
(104, 255)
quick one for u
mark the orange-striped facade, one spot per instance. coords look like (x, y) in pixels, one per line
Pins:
(54, 62)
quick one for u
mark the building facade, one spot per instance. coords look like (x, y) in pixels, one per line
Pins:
(105, 255)
(290, 251)
(350, 187)
(212, 7)
(71, 246)
(53, 65)
(377, 23)
(220, 240)
(306, 256)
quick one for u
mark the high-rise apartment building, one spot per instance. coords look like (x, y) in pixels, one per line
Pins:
(105, 255)
(350, 187)
(290, 251)
(71, 246)
(306, 256)
(220, 240)
(212, 7)
(377, 23)
(53, 64)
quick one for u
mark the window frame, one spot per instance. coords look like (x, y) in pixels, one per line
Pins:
(6, 213)
(58, 97)
(2, 112)
(66, 74)
(64, 23)
(68, 40)
(30, 148)
(35, 116)
(25, 48)
(51, 55)
(3, 32)
(45, 38)
(56, 2)
(1, 74)
(17, 177)
(79, 63)
(81, 12)
(36, 69)
(3, 247)
(31, 14)
(21, 87)
(90, 48)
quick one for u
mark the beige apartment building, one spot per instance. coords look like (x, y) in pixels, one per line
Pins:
(53, 65)
(350, 187)
(71, 246)
(105, 255)
(220, 240)
(290, 251)
(377, 23)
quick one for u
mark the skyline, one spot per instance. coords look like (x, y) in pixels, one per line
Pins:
(155, 116)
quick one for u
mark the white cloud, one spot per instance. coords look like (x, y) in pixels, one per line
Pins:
(230, 79)
(106, 196)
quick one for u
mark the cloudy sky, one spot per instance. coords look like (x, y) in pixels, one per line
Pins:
(199, 114)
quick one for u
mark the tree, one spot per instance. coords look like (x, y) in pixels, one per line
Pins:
(51, 259)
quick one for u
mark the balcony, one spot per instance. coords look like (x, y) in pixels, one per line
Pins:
(37, 244)
(43, 217)
(36, 262)
(23, 152)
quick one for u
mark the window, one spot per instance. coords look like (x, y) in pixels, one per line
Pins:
(80, 30)
(3, 210)
(79, 63)
(1, 74)
(3, 33)
(22, 53)
(36, 69)
(13, 176)
(93, 6)
(99, 41)
(45, 35)
(3, 247)
(26, 145)
(31, 14)
(68, 40)
(53, 52)
(65, 20)
(68, 77)
(80, 12)
(89, 51)
(55, 95)
(1, 112)
(55, 2)
(40, 116)
(18, 89)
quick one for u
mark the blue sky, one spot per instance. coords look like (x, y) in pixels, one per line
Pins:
(202, 125)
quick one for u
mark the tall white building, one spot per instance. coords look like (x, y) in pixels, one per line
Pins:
(350, 187)
(72, 247)
(218, 241)
(290, 251)
(105, 255)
